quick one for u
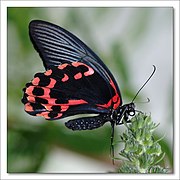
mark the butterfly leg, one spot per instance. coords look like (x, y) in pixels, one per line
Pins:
(112, 139)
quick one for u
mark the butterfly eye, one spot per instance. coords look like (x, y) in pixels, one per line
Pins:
(131, 112)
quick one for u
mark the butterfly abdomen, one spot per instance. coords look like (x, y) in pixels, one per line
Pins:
(87, 123)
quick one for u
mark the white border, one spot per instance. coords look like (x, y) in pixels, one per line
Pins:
(4, 5)
(133, 3)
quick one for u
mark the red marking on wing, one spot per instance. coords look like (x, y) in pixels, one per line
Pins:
(115, 100)
(87, 73)
(65, 78)
(78, 76)
(64, 108)
(52, 83)
(76, 64)
(105, 105)
(62, 66)
(28, 107)
(116, 105)
(51, 101)
(76, 102)
(59, 115)
(31, 98)
(46, 115)
(48, 72)
(29, 90)
(49, 107)
(35, 81)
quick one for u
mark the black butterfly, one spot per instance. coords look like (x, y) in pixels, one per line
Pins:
(76, 81)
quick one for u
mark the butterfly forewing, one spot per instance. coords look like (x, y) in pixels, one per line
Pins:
(58, 46)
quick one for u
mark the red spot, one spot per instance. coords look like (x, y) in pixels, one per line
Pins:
(48, 72)
(28, 107)
(52, 83)
(29, 90)
(116, 99)
(78, 76)
(116, 105)
(31, 98)
(65, 78)
(59, 115)
(89, 72)
(105, 105)
(62, 66)
(44, 114)
(64, 108)
(51, 101)
(76, 64)
(48, 107)
(76, 102)
(46, 92)
(35, 81)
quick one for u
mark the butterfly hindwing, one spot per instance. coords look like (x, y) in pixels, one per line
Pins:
(65, 90)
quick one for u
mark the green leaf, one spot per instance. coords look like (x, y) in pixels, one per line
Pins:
(140, 147)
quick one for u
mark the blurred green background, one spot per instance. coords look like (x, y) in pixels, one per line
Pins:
(129, 41)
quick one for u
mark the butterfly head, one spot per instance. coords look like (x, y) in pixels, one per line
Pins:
(124, 112)
(130, 109)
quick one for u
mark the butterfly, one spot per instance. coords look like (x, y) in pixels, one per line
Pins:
(76, 82)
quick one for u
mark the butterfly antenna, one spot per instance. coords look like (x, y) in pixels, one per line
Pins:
(154, 69)
(147, 101)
